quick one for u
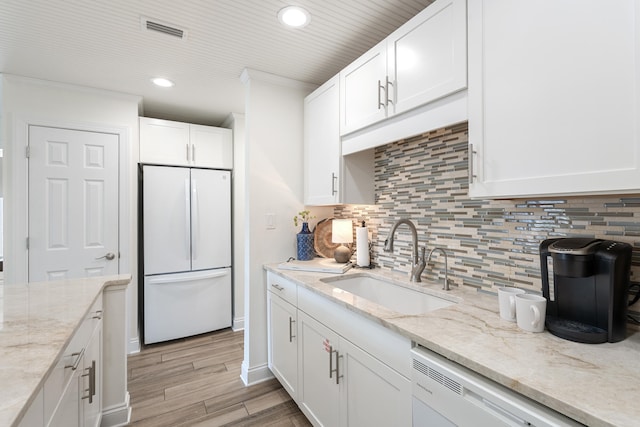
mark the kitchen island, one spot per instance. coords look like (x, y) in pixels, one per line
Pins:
(595, 384)
(37, 322)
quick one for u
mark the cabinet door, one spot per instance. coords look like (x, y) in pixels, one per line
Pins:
(283, 343)
(428, 55)
(92, 378)
(322, 144)
(319, 392)
(374, 394)
(211, 147)
(553, 97)
(69, 412)
(362, 90)
(164, 142)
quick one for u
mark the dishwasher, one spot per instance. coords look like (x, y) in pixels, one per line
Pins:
(448, 394)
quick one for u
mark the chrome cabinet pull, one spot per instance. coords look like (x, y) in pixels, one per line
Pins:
(98, 315)
(338, 376)
(331, 370)
(380, 103)
(92, 381)
(389, 100)
(187, 147)
(472, 174)
(278, 287)
(78, 355)
(291, 322)
(334, 180)
(193, 153)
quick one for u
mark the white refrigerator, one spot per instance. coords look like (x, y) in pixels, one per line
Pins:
(186, 235)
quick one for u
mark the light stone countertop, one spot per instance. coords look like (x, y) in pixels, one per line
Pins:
(595, 384)
(37, 321)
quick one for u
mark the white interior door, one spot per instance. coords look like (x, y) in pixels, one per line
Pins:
(73, 203)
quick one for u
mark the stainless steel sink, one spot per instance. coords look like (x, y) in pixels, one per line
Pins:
(388, 294)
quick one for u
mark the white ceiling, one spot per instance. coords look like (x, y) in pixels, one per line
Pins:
(102, 44)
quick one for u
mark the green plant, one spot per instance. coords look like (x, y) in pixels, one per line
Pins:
(303, 216)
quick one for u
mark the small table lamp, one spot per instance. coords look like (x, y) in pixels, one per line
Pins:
(342, 232)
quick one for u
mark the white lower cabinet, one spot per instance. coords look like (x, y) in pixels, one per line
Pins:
(283, 342)
(71, 395)
(350, 371)
(319, 359)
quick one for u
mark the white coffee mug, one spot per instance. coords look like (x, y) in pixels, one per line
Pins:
(507, 302)
(530, 312)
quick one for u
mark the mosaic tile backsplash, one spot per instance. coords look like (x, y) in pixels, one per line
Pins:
(489, 242)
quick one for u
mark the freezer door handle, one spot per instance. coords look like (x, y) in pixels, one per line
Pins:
(172, 278)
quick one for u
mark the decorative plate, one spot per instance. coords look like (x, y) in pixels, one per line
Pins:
(322, 238)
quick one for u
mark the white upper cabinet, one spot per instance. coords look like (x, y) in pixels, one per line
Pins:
(182, 144)
(422, 61)
(329, 177)
(554, 97)
(362, 85)
(322, 145)
(427, 57)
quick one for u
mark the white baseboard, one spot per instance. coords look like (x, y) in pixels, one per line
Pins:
(238, 324)
(134, 345)
(117, 416)
(255, 375)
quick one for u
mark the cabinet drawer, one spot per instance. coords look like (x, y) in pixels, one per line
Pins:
(285, 289)
(70, 357)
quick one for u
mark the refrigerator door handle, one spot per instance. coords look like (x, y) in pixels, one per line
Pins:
(195, 220)
(172, 279)
(187, 223)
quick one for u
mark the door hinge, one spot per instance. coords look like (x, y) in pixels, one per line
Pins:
(28, 151)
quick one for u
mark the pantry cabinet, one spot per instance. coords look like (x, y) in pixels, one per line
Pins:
(422, 61)
(168, 142)
(554, 98)
(350, 371)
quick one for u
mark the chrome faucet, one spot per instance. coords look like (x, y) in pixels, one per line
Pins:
(418, 262)
(446, 267)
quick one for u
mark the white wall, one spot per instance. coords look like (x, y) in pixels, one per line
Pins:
(236, 122)
(29, 101)
(273, 156)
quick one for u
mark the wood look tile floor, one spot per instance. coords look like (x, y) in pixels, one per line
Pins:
(196, 382)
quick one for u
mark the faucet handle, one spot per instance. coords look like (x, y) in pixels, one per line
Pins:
(423, 251)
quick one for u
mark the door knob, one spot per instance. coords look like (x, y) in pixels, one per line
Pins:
(109, 256)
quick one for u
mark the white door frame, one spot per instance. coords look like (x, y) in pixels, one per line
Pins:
(17, 257)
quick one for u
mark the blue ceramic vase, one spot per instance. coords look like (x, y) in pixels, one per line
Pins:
(305, 243)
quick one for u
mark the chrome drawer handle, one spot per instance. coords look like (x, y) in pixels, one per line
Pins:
(278, 287)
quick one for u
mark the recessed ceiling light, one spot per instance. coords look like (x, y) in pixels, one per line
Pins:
(162, 82)
(294, 16)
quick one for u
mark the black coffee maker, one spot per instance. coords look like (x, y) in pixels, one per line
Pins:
(586, 282)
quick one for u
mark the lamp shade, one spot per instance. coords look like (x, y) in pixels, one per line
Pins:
(342, 231)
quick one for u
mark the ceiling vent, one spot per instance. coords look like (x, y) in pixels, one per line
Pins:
(163, 27)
